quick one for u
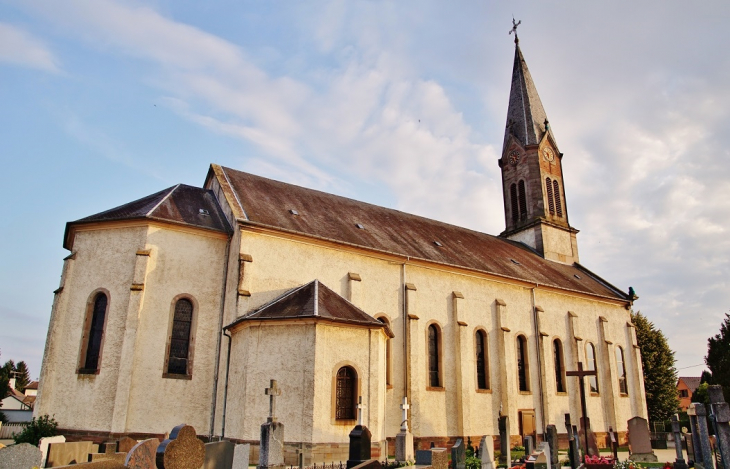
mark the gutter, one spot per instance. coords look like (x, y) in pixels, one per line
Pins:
(219, 340)
(225, 388)
(538, 342)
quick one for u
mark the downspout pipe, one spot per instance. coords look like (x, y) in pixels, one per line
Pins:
(538, 342)
(214, 402)
(225, 388)
(406, 367)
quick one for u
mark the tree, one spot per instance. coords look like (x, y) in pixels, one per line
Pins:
(22, 376)
(660, 375)
(718, 357)
(4, 390)
(38, 428)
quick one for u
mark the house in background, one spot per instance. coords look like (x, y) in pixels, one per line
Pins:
(17, 406)
(685, 387)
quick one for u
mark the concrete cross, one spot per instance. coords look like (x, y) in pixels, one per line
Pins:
(359, 410)
(405, 407)
(272, 392)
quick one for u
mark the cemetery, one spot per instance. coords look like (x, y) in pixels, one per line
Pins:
(182, 448)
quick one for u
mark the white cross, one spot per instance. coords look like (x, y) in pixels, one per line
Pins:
(359, 410)
(272, 392)
(405, 407)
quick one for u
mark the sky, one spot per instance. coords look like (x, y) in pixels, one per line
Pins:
(398, 103)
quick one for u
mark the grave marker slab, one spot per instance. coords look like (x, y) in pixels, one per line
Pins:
(183, 450)
(143, 455)
(721, 412)
(544, 458)
(640, 441)
(552, 440)
(45, 442)
(573, 451)
(528, 443)
(698, 420)
(505, 455)
(271, 449)
(126, 444)
(103, 464)
(119, 457)
(218, 455)
(590, 448)
(241, 454)
(22, 456)
(486, 452)
(404, 438)
(679, 462)
(458, 455)
(64, 454)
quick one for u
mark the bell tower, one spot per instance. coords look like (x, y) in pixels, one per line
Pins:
(535, 209)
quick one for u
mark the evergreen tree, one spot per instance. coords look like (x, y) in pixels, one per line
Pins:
(22, 376)
(660, 375)
(718, 357)
(4, 390)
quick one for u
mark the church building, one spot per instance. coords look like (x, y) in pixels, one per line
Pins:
(182, 306)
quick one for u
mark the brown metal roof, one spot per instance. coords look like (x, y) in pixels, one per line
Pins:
(180, 204)
(268, 202)
(313, 300)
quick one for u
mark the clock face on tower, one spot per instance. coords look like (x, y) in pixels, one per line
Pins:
(514, 157)
(548, 155)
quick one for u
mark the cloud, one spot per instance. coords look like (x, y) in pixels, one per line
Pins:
(18, 47)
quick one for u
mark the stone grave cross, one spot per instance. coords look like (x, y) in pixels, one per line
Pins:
(581, 374)
(359, 410)
(272, 392)
(405, 407)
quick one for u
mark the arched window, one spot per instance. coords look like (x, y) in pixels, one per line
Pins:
(551, 202)
(94, 334)
(434, 368)
(178, 358)
(482, 359)
(522, 364)
(523, 199)
(558, 205)
(591, 359)
(621, 367)
(387, 353)
(513, 201)
(346, 393)
(559, 368)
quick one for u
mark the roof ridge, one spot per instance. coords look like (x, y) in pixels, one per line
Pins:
(162, 200)
(277, 299)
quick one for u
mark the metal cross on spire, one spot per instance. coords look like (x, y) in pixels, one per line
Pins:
(272, 392)
(514, 29)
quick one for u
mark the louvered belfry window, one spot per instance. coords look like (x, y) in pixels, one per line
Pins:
(434, 378)
(523, 199)
(513, 202)
(96, 332)
(177, 363)
(345, 398)
(558, 206)
(551, 201)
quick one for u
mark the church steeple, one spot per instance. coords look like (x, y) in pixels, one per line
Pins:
(532, 175)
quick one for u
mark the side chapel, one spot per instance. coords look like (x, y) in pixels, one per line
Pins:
(183, 305)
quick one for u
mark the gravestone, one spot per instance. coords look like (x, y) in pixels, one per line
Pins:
(109, 447)
(360, 438)
(528, 444)
(458, 455)
(183, 450)
(690, 446)
(45, 442)
(552, 440)
(218, 455)
(143, 455)
(698, 419)
(404, 438)
(573, 451)
(271, 450)
(126, 444)
(486, 452)
(103, 464)
(721, 412)
(438, 458)
(543, 458)
(119, 457)
(505, 455)
(64, 454)
(679, 462)
(21, 456)
(241, 454)
(640, 441)
(591, 447)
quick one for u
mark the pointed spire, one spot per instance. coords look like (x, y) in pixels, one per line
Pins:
(526, 118)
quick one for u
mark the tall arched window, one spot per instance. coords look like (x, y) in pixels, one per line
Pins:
(387, 353)
(592, 365)
(559, 368)
(94, 334)
(482, 359)
(513, 200)
(558, 205)
(345, 397)
(434, 368)
(551, 201)
(621, 367)
(522, 364)
(179, 350)
(523, 199)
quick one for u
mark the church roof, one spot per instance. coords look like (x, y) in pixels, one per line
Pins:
(180, 204)
(525, 115)
(268, 203)
(312, 300)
